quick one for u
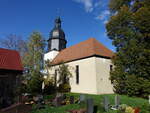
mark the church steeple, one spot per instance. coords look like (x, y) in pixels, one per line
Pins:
(57, 39)
(58, 22)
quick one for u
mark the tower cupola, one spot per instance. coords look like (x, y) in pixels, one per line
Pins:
(57, 39)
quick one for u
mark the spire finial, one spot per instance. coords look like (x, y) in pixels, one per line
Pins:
(58, 20)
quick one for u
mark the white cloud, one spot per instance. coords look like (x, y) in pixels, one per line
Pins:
(98, 4)
(105, 21)
(103, 16)
(91, 5)
(88, 4)
(95, 6)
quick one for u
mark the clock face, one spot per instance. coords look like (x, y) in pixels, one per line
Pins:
(55, 34)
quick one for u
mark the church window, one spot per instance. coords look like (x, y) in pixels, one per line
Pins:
(55, 77)
(77, 74)
(111, 67)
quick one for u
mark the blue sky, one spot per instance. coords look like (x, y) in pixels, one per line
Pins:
(81, 18)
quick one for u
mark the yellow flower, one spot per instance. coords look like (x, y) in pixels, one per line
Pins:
(129, 110)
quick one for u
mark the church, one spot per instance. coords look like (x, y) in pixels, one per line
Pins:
(90, 61)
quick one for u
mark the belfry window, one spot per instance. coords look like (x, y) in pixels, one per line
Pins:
(77, 74)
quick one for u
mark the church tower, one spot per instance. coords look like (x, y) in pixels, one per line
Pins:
(57, 39)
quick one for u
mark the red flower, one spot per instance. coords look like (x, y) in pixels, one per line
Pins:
(136, 110)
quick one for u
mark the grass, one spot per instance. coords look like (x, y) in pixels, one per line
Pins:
(131, 101)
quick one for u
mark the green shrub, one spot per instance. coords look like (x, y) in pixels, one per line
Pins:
(49, 88)
(64, 87)
(22, 88)
(145, 108)
(34, 85)
(137, 86)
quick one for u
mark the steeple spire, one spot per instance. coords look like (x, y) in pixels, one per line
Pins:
(58, 22)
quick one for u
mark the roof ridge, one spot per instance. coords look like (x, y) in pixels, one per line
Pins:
(78, 43)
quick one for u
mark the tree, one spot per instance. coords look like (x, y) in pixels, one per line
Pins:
(15, 42)
(64, 73)
(34, 85)
(64, 76)
(49, 82)
(129, 29)
(34, 62)
(34, 57)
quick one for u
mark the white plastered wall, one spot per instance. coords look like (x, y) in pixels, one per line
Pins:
(87, 76)
(93, 76)
(104, 85)
(50, 55)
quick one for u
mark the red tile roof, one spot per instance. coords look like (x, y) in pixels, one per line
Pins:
(84, 49)
(10, 59)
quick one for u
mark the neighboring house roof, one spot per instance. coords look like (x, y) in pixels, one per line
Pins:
(84, 49)
(10, 60)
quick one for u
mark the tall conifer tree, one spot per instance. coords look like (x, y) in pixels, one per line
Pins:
(34, 62)
(129, 29)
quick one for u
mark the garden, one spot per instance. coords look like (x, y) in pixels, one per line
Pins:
(83, 103)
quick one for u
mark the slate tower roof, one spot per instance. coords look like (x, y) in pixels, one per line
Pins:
(57, 39)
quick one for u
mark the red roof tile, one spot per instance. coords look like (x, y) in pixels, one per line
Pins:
(10, 59)
(83, 49)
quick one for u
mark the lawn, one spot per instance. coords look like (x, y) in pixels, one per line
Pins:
(131, 101)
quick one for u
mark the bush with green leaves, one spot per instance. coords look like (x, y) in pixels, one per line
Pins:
(34, 85)
(137, 86)
(64, 76)
(64, 87)
(145, 108)
(50, 87)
